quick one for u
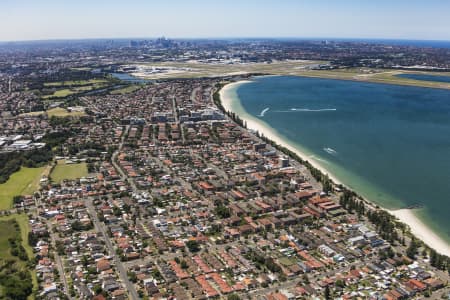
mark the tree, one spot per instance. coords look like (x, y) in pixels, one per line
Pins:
(193, 246)
(305, 278)
(97, 289)
(85, 260)
(222, 211)
(184, 264)
(327, 186)
(32, 239)
(17, 199)
(340, 283)
(233, 297)
(17, 285)
(132, 276)
(412, 249)
(327, 293)
(126, 208)
(60, 249)
(117, 211)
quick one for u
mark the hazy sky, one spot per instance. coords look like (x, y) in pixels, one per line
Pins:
(60, 19)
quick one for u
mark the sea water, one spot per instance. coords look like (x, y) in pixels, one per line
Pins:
(390, 143)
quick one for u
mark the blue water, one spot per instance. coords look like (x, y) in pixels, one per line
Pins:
(390, 143)
(437, 78)
(128, 78)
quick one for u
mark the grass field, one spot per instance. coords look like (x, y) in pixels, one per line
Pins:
(68, 88)
(23, 182)
(74, 83)
(7, 230)
(286, 261)
(126, 90)
(62, 112)
(57, 112)
(60, 93)
(68, 171)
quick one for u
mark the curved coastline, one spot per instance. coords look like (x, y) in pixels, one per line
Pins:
(230, 101)
(263, 128)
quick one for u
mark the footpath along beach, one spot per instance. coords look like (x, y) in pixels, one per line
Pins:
(230, 102)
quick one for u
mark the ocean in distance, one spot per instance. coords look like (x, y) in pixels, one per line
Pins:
(389, 143)
(129, 78)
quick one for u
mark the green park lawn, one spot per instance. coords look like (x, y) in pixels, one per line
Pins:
(56, 112)
(286, 261)
(67, 88)
(60, 93)
(126, 90)
(23, 182)
(62, 112)
(68, 171)
(74, 82)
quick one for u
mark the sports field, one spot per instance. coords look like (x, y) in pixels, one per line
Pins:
(62, 112)
(56, 112)
(68, 171)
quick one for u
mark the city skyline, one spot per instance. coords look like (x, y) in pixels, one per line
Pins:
(50, 19)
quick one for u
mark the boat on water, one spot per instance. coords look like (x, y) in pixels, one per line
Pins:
(330, 150)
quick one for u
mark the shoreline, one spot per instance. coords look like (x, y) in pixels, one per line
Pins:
(418, 228)
(267, 131)
(373, 79)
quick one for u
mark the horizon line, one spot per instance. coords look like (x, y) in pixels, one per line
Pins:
(225, 38)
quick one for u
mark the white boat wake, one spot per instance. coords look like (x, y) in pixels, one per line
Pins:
(306, 110)
(263, 112)
(330, 151)
(313, 110)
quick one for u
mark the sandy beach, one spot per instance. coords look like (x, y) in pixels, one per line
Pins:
(421, 231)
(266, 130)
(418, 228)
